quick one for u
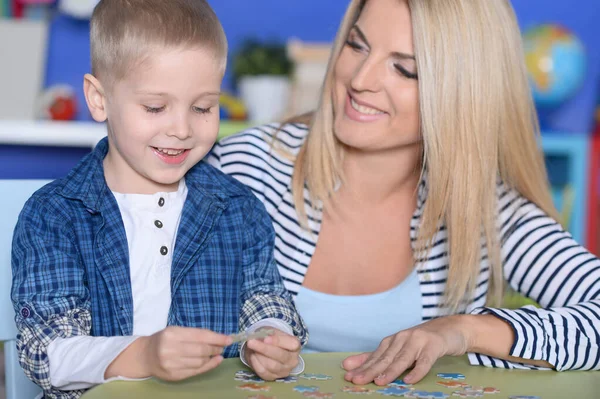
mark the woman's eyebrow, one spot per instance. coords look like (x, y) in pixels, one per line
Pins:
(396, 54)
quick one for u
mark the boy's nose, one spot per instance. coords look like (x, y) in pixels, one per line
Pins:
(181, 129)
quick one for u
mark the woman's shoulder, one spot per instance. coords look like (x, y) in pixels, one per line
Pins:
(286, 138)
(261, 157)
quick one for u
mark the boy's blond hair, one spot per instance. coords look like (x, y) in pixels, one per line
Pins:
(125, 32)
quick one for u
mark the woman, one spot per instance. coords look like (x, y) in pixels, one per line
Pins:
(413, 191)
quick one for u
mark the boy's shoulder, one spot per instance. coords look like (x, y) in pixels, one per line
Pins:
(213, 182)
(79, 184)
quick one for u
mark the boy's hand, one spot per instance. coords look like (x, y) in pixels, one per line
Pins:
(177, 353)
(274, 356)
(172, 354)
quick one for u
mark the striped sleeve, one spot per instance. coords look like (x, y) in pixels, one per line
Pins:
(544, 263)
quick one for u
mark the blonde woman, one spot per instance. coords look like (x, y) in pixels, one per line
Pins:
(414, 191)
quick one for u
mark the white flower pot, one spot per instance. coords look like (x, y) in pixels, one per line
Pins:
(266, 97)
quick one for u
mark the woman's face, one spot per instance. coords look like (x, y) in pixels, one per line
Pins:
(376, 98)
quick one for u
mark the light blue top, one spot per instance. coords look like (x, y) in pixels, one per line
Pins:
(358, 323)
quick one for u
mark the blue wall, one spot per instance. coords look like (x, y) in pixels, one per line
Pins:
(317, 20)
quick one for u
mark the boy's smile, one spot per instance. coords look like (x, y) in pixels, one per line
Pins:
(163, 117)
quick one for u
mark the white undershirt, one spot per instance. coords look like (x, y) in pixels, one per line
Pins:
(150, 273)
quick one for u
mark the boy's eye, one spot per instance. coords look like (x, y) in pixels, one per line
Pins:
(154, 110)
(201, 110)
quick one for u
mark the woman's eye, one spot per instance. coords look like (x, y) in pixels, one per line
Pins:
(403, 71)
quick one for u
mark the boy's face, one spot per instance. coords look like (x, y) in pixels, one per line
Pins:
(163, 118)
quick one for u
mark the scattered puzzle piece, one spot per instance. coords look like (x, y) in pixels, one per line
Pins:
(452, 384)
(426, 395)
(485, 389)
(399, 383)
(247, 376)
(254, 387)
(468, 393)
(254, 379)
(357, 390)
(451, 376)
(288, 380)
(393, 391)
(304, 388)
(246, 373)
(317, 394)
(318, 377)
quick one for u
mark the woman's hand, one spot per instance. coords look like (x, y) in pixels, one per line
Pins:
(273, 357)
(420, 346)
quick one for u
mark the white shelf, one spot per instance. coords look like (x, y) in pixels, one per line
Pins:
(51, 133)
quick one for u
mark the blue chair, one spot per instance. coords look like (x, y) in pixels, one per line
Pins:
(13, 194)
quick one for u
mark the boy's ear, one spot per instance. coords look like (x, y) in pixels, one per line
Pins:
(94, 97)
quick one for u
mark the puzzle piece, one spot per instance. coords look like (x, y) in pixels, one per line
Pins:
(452, 384)
(254, 387)
(288, 380)
(321, 395)
(426, 395)
(357, 390)
(247, 376)
(393, 391)
(318, 377)
(399, 383)
(255, 379)
(305, 388)
(524, 397)
(246, 373)
(488, 390)
(451, 376)
(246, 336)
(468, 393)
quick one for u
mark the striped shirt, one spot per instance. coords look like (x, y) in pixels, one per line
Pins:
(540, 259)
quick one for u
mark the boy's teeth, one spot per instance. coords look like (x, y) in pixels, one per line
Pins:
(169, 151)
(364, 110)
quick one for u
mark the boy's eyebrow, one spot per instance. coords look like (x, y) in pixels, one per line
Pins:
(396, 54)
(162, 94)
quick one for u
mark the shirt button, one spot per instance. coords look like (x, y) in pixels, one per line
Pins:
(25, 312)
(161, 201)
(158, 224)
(164, 250)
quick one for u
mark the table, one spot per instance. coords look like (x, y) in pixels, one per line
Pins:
(220, 383)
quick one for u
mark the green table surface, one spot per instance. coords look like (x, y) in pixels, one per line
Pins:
(220, 383)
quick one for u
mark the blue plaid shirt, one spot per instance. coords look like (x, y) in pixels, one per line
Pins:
(70, 264)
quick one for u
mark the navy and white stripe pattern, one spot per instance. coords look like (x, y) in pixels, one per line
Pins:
(541, 260)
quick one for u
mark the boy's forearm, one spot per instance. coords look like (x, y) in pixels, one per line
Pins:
(131, 362)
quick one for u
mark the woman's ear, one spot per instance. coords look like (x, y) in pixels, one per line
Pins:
(94, 97)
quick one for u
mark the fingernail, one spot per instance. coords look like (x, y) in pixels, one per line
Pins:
(380, 376)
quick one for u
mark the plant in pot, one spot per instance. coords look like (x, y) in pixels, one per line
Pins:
(261, 71)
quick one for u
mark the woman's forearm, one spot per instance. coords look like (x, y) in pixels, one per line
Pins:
(492, 336)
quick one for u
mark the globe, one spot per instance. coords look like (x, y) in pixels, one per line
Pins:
(556, 64)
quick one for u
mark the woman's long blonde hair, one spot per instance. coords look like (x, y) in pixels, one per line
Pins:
(478, 124)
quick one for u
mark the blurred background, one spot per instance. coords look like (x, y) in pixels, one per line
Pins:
(278, 53)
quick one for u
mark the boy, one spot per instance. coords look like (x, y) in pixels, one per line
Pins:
(143, 260)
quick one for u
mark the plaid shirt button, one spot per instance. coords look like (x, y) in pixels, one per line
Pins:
(25, 312)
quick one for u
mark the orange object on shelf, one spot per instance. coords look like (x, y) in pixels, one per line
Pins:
(593, 213)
